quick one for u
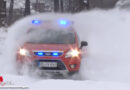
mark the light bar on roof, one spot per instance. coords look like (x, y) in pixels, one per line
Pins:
(36, 21)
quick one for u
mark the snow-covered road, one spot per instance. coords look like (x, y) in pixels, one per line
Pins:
(106, 64)
(61, 84)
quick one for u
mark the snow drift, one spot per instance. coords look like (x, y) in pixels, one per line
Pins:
(107, 32)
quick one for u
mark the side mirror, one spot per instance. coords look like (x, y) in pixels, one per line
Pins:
(83, 43)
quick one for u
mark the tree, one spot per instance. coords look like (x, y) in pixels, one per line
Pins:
(27, 8)
(10, 17)
(81, 5)
(36, 5)
(56, 5)
(76, 5)
(69, 7)
(87, 2)
(61, 6)
(2, 13)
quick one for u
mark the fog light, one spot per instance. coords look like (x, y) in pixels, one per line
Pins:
(73, 66)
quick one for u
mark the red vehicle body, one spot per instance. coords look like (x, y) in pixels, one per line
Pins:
(53, 57)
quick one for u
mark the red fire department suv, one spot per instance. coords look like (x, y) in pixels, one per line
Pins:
(52, 48)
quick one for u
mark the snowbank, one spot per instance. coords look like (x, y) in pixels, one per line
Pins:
(107, 32)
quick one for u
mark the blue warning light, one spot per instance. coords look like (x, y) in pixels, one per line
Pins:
(36, 21)
(39, 53)
(63, 22)
(55, 54)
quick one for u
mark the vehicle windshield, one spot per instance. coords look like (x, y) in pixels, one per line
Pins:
(51, 37)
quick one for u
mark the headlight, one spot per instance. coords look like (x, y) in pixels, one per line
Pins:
(24, 52)
(72, 53)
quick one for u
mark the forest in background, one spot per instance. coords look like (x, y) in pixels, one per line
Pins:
(12, 10)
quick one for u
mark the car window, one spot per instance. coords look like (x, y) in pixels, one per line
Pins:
(52, 37)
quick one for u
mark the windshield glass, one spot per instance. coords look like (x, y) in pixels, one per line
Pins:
(51, 37)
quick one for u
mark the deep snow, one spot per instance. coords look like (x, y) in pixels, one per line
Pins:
(62, 84)
(107, 55)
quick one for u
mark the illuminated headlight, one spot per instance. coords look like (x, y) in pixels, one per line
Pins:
(72, 53)
(24, 52)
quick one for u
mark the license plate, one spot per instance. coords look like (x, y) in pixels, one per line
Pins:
(48, 64)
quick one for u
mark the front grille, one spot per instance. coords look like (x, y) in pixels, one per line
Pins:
(60, 65)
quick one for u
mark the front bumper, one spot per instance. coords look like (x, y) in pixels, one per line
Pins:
(54, 71)
(63, 64)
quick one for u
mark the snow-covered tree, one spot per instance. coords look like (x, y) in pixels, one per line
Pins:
(123, 4)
